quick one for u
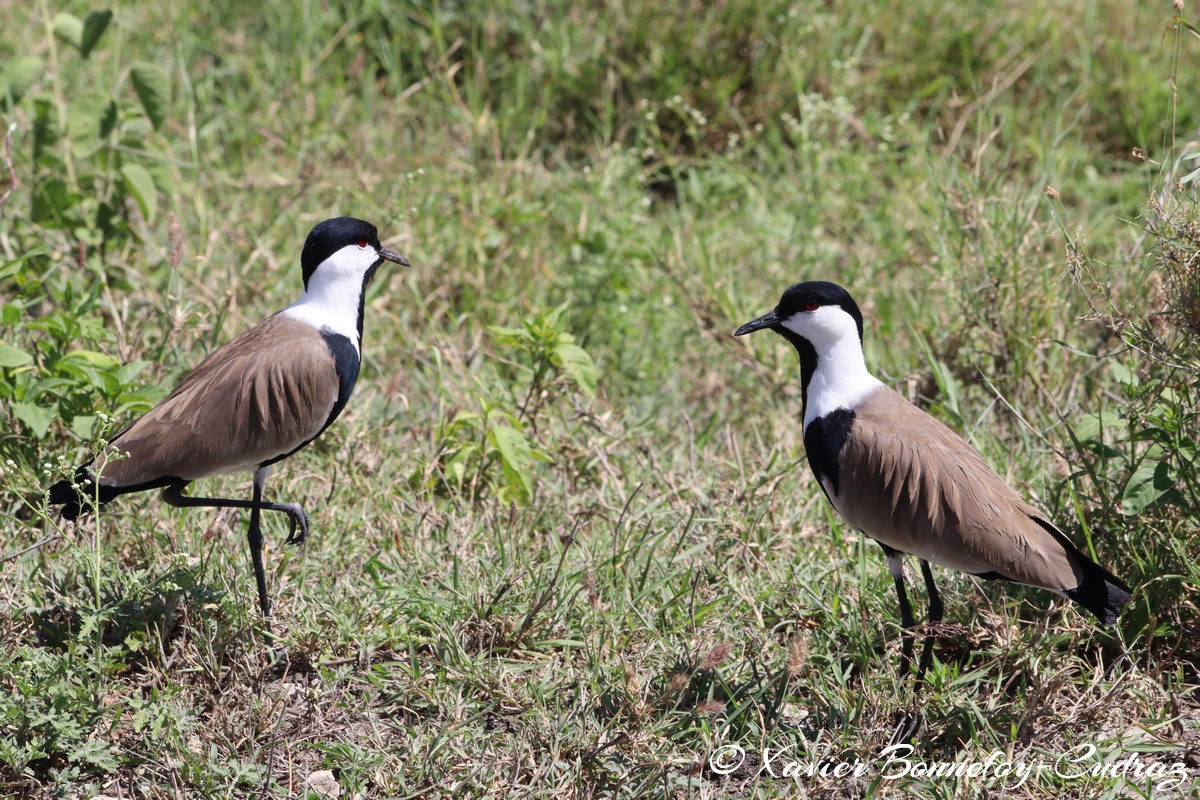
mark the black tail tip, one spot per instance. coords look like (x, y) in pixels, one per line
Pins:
(68, 494)
(1101, 593)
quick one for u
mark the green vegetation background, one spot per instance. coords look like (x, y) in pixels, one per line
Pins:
(564, 540)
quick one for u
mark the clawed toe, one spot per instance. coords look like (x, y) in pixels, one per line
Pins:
(298, 528)
(907, 727)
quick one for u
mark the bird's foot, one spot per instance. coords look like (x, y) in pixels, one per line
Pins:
(298, 530)
(277, 659)
(277, 655)
(282, 663)
(908, 726)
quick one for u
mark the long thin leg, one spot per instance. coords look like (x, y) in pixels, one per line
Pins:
(296, 515)
(935, 616)
(909, 722)
(895, 562)
(254, 539)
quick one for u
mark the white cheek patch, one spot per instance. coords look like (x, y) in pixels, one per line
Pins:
(349, 262)
(826, 324)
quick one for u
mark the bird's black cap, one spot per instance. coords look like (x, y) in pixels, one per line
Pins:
(333, 234)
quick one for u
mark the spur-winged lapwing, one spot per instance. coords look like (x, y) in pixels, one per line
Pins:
(908, 481)
(254, 401)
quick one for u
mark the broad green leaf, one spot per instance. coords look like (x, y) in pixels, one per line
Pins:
(1088, 427)
(36, 418)
(1146, 486)
(16, 77)
(13, 357)
(46, 385)
(509, 337)
(578, 366)
(94, 25)
(83, 426)
(517, 459)
(140, 186)
(160, 170)
(53, 199)
(89, 121)
(134, 132)
(95, 358)
(68, 27)
(500, 330)
(554, 316)
(1100, 448)
(129, 372)
(137, 402)
(1123, 374)
(153, 89)
(465, 418)
(456, 467)
(95, 752)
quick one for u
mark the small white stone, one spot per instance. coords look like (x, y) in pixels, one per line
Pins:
(323, 783)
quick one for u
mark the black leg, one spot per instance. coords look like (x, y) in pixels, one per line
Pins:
(909, 723)
(895, 562)
(296, 516)
(935, 616)
(254, 539)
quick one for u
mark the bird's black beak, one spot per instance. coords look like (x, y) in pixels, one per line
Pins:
(768, 320)
(393, 256)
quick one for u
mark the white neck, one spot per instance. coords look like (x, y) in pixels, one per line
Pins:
(841, 380)
(326, 305)
(335, 292)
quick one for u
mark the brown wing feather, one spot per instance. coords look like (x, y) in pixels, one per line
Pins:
(910, 482)
(254, 399)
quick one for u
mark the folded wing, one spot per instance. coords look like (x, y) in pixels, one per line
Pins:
(258, 398)
(911, 483)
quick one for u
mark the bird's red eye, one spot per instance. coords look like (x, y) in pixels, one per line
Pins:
(362, 243)
(811, 304)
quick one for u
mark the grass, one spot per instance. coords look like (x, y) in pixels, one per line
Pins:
(670, 580)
